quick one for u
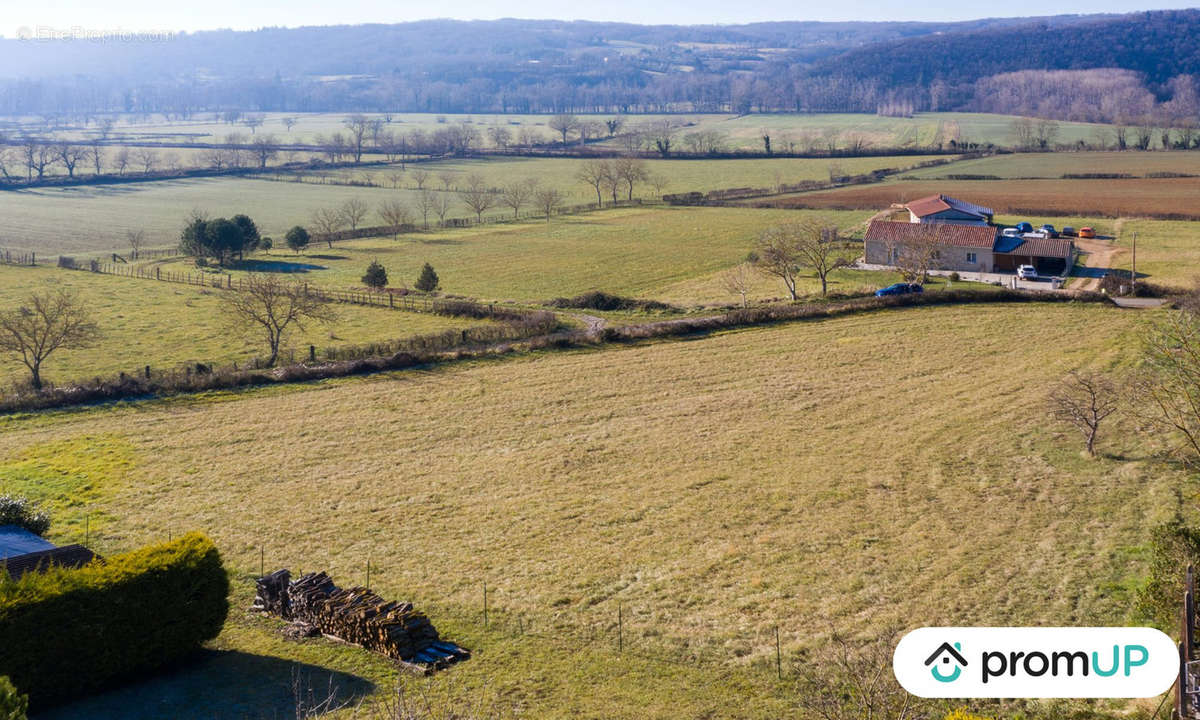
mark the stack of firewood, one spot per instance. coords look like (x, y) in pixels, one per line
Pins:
(356, 615)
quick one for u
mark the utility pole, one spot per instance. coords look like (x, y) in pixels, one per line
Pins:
(1133, 280)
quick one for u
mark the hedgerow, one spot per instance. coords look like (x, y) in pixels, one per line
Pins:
(69, 632)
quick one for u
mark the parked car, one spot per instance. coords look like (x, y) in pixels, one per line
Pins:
(1024, 227)
(899, 289)
(1087, 232)
(1027, 272)
(1049, 230)
(1069, 231)
(1010, 232)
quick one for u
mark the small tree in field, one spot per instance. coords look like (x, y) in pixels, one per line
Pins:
(297, 239)
(548, 200)
(395, 215)
(136, 239)
(376, 276)
(785, 250)
(736, 281)
(1083, 401)
(270, 305)
(428, 282)
(46, 322)
(327, 222)
(477, 196)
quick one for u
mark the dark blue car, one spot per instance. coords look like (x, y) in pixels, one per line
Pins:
(1024, 227)
(899, 289)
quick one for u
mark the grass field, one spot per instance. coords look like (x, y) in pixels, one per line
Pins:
(1105, 198)
(164, 325)
(95, 218)
(635, 251)
(1055, 165)
(91, 219)
(681, 175)
(743, 131)
(806, 476)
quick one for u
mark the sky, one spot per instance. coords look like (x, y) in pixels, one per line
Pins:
(173, 15)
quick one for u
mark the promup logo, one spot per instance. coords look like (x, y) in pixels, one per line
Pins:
(1126, 662)
(947, 653)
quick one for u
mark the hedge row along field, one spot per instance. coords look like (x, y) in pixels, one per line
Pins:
(383, 357)
(68, 633)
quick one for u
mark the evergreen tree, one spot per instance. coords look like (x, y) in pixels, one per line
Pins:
(376, 276)
(428, 282)
(297, 239)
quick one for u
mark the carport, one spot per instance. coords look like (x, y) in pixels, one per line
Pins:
(1051, 256)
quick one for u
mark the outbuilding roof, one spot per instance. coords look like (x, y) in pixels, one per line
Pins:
(68, 556)
(1037, 247)
(934, 204)
(900, 233)
(16, 540)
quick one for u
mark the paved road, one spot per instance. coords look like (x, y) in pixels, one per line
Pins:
(1138, 303)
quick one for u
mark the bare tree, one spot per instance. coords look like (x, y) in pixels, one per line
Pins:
(395, 215)
(500, 136)
(661, 134)
(420, 177)
(564, 124)
(254, 122)
(327, 222)
(38, 156)
(394, 178)
(288, 123)
(121, 160)
(136, 239)
(548, 200)
(447, 179)
(916, 256)
(477, 196)
(425, 204)
(69, 154)
(630, 171)
(736, 281)
(528, 137)
(517, 194)
(440, 205)
(594, 173)
(613, 125)
(46, 322)
(853, 681)
(659, 182)
(265, 149)
(1168, 384)
(354, 211)
(358, 126)
(268, 304)
(146, 157)
(1083, 400)
(785, 250)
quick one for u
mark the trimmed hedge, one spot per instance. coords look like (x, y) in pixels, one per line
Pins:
(67, 633)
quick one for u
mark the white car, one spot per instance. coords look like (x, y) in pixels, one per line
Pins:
(1027, 272)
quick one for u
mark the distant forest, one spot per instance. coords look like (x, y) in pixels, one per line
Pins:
(1099, 68)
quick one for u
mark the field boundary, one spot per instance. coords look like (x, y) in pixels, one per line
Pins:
(136, 386)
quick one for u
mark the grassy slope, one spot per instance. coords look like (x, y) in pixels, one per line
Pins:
(164, 324)
(626, 251)
(806, 475)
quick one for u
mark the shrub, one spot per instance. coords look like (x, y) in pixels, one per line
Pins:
(13, 704)
(1173, 546)
(297, 239)
(964, 714)
(428, 282)
(598, 300)
(23, 512)
(265, 244)
(954, 277)
(74, 631)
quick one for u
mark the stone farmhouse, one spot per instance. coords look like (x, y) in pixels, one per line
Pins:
(965, 239)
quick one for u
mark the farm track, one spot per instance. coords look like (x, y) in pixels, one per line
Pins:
(1100, 256)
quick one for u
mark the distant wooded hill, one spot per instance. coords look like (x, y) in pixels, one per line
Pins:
(524, 66)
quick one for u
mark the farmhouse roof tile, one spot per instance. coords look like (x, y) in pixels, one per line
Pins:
(972, 236)
(934, 204)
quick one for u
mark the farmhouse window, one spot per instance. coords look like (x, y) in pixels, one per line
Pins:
(971, 257)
